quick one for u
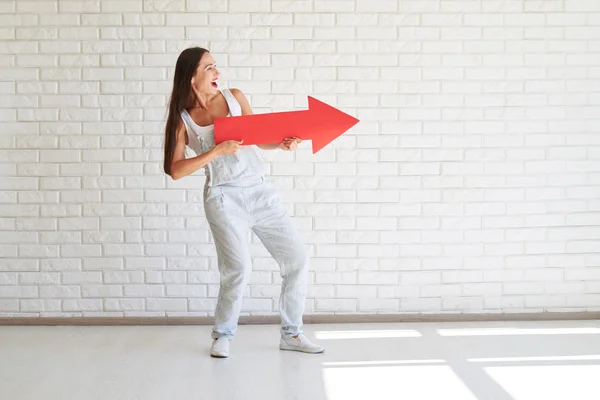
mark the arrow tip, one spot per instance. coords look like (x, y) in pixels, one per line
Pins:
(331, 122)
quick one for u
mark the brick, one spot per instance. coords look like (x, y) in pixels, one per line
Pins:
(82, 305)
(423, 304)
(154, 304)
(40, 305)
(347, 305)
(124, 304)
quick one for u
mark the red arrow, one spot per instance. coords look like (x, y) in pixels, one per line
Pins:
(321, 123)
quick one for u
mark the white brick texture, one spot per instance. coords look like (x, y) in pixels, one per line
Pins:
(471, 184)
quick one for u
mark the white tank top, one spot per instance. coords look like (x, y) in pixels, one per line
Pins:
(243, 165)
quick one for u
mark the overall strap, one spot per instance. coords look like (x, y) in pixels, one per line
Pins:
(234, 106)
(185, 116)
(193, 141)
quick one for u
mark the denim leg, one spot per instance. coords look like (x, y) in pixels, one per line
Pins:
(230, 233)
(274, 228)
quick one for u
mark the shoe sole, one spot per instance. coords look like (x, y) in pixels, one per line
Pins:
(292, 348)
(217, 355)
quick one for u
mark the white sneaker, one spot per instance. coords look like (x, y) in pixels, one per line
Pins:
(300, 343)
(220, 348)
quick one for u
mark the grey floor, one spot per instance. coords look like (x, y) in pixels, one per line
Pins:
(463, 361)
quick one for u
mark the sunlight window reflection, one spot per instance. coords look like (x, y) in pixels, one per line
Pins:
(393, 362)
(393, 383)
(517, 331)
(373, 334)
(525, 359)
(555, 382)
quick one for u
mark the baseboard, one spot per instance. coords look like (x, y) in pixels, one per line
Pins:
(308, 319)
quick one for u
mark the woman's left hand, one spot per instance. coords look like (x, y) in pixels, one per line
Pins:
(290, 144)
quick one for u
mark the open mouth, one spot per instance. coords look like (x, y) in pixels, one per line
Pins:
(214, 84)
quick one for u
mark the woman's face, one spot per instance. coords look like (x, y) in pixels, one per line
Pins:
(206, 76)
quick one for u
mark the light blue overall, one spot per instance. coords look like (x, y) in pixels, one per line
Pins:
(238, 197)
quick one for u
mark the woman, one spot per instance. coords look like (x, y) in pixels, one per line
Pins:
(237, 198)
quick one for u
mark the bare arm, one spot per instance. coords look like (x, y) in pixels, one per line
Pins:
(180, 166)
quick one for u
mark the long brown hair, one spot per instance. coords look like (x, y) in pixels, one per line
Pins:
(182, 97)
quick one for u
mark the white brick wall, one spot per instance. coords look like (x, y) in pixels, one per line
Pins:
(470, 185)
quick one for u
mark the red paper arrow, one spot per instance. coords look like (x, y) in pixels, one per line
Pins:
(321, 123)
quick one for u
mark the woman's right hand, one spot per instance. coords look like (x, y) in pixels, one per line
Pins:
(228, 147)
